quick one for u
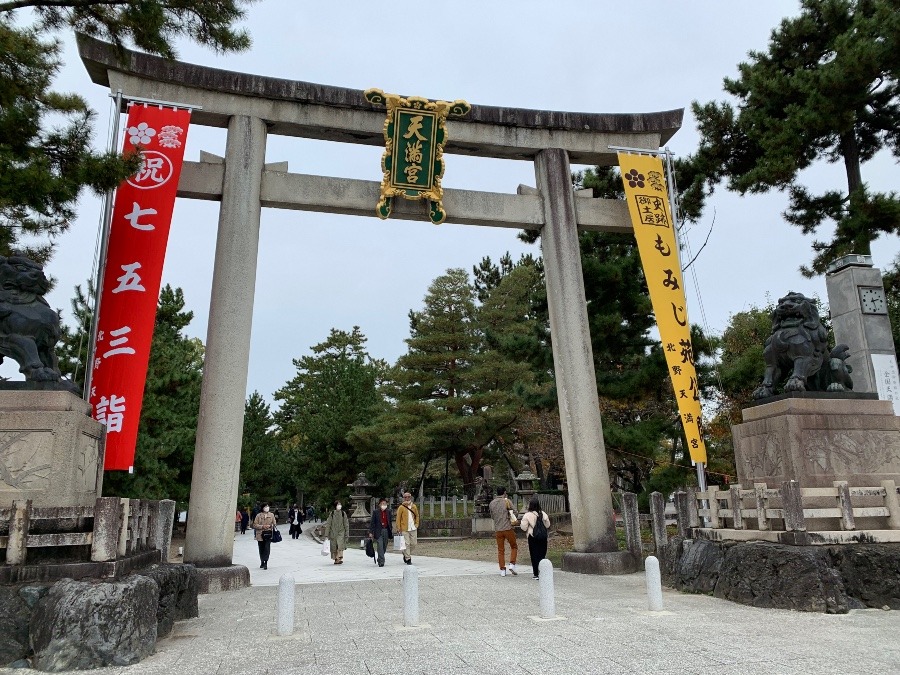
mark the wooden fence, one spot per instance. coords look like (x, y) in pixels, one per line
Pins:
(463, 507)
(762, 513)
(113, 528)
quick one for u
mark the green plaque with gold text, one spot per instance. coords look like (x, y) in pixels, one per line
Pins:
(413, 160)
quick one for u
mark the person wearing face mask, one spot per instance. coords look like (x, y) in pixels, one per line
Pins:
(380, 529)
(408, 525)
(264, 524)
(337, 529)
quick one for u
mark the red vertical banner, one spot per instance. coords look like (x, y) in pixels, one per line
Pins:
(139, 232)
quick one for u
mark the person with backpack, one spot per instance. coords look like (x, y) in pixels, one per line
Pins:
(535, 524)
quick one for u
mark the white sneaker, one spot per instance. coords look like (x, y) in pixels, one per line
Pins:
(502, 573)
(512, 570)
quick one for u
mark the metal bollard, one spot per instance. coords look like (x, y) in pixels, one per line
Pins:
(410, 596)
(654, 584)
(545, 581)
(286, 590)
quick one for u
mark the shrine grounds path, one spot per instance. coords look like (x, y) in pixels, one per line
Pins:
(349, 622)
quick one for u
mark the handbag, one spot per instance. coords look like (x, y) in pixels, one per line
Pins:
(370, 548)
(326, 547)
(276, 535)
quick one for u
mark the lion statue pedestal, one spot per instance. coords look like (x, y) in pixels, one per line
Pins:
(817, 441)
(51, 451)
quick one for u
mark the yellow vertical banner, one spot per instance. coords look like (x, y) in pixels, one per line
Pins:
(651, 217)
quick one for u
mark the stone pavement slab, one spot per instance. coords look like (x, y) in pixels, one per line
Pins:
(478, 624)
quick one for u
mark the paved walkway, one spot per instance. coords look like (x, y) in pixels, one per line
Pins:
(477, 623)
(304, 560)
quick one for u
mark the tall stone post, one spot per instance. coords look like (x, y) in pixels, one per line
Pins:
(214, 482)
(573, 363)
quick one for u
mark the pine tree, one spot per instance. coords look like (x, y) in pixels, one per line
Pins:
(46, 159)
(334, 390)
(72, 348)
(827, 88)
(164, 456)
(456, 396)
(43, 169)
(264, 465)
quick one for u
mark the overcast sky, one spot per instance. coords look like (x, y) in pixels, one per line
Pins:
(318, 271)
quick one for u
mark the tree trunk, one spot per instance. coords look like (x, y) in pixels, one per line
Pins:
(422, 477)
(850, 151)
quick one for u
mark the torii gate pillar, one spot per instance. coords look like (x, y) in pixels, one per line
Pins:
(593, 520)
(217, 457)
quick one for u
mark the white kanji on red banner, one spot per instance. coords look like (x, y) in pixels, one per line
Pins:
(139, 232)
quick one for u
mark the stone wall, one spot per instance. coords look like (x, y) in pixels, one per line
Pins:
(89, 624)
(830, 579)
(446, 527)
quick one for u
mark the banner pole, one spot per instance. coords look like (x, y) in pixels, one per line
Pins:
(104, 247)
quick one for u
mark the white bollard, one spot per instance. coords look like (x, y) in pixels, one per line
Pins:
(545, 581)
(410, 596)
(286, 590)
(654, 584)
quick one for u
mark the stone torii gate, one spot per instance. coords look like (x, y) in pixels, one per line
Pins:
(252, 106)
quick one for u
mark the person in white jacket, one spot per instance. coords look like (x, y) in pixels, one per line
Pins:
(537, 533)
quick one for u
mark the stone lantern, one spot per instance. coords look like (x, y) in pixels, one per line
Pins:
(525, 485)
(360, 497)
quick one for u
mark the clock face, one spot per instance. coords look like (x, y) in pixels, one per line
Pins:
(872, 300)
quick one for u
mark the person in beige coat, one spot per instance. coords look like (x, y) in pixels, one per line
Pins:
(337, 529)
(537, 536)
(264, 524)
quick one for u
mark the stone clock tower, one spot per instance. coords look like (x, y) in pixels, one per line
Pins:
(859, 317)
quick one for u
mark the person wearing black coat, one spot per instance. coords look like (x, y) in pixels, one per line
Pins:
(380, 529)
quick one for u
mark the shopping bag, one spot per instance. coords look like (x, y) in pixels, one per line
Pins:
(399, 543)
(326, 547)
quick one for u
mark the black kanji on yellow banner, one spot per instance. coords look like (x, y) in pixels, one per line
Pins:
(414, 137)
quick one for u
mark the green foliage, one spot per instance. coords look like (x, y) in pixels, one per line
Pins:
(46, 159)
(73, 346)
(263, 465)
(43, 169)
(826, 89)
(456, 393)
(166, 436)
(334, 390)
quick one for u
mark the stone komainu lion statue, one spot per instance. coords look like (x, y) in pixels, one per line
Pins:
(29, 328)
(798, 349)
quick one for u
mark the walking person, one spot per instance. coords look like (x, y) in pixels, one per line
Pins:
(503, 516)
(536, 533)
(291, 513)
(380, 529)
(245, 519)
(264, 524)
(408, 525)
(296, 520)
(337, 529)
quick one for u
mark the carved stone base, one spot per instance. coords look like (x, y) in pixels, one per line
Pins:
(819, 441)
(50, 449)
